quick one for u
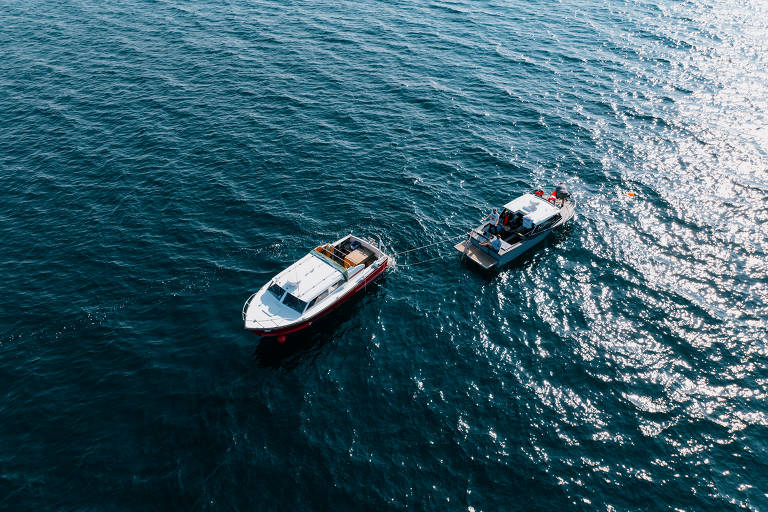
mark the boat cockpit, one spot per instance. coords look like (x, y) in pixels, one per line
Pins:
(348, 253)
(524, 217)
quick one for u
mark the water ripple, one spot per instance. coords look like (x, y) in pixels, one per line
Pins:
(160, 161)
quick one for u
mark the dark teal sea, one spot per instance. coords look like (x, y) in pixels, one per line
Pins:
(160, 160)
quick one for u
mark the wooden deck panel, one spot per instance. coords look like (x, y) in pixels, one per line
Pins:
(476, 255)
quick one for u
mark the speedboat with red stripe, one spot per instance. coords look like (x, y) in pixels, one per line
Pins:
(320, 281)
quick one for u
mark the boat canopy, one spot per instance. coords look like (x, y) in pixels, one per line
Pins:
(534, 209)
(308, 277)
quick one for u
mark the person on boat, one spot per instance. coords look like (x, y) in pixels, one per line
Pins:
(494, 243)
(493, 222)
(511, 221)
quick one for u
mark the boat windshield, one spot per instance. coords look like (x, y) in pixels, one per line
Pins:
(294, 303)
(276, 290)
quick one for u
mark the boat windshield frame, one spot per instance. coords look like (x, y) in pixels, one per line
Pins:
(271, 289)
(294, 303)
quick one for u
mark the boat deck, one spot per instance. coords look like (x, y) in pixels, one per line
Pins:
(476, 255)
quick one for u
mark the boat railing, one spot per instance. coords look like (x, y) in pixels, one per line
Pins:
(265, 323)
(336, 258)
(247, 302)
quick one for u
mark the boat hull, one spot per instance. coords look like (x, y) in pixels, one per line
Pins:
(486, 259)
(524, 247)
(303, 324)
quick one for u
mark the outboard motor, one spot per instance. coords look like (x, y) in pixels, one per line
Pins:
(561, 192)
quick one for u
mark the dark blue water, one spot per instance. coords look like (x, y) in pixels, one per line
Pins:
(160, 160)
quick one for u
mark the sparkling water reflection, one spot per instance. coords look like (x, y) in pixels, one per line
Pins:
(160, 161)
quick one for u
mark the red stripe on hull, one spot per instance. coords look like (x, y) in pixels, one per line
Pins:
(297, 327)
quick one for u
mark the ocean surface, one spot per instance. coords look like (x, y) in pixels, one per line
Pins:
(161, 160)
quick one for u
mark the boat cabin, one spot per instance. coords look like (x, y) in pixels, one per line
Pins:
(526, 215)
(348, 254)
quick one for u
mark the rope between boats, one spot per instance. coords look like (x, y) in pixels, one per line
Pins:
(419, 262)
(271, 244)
(428, 245)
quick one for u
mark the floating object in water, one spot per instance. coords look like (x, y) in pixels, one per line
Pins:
(631, 194)
(523, 223)
(313, 286)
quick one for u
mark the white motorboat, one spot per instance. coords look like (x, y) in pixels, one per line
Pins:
(523, 223)
(314, 285)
